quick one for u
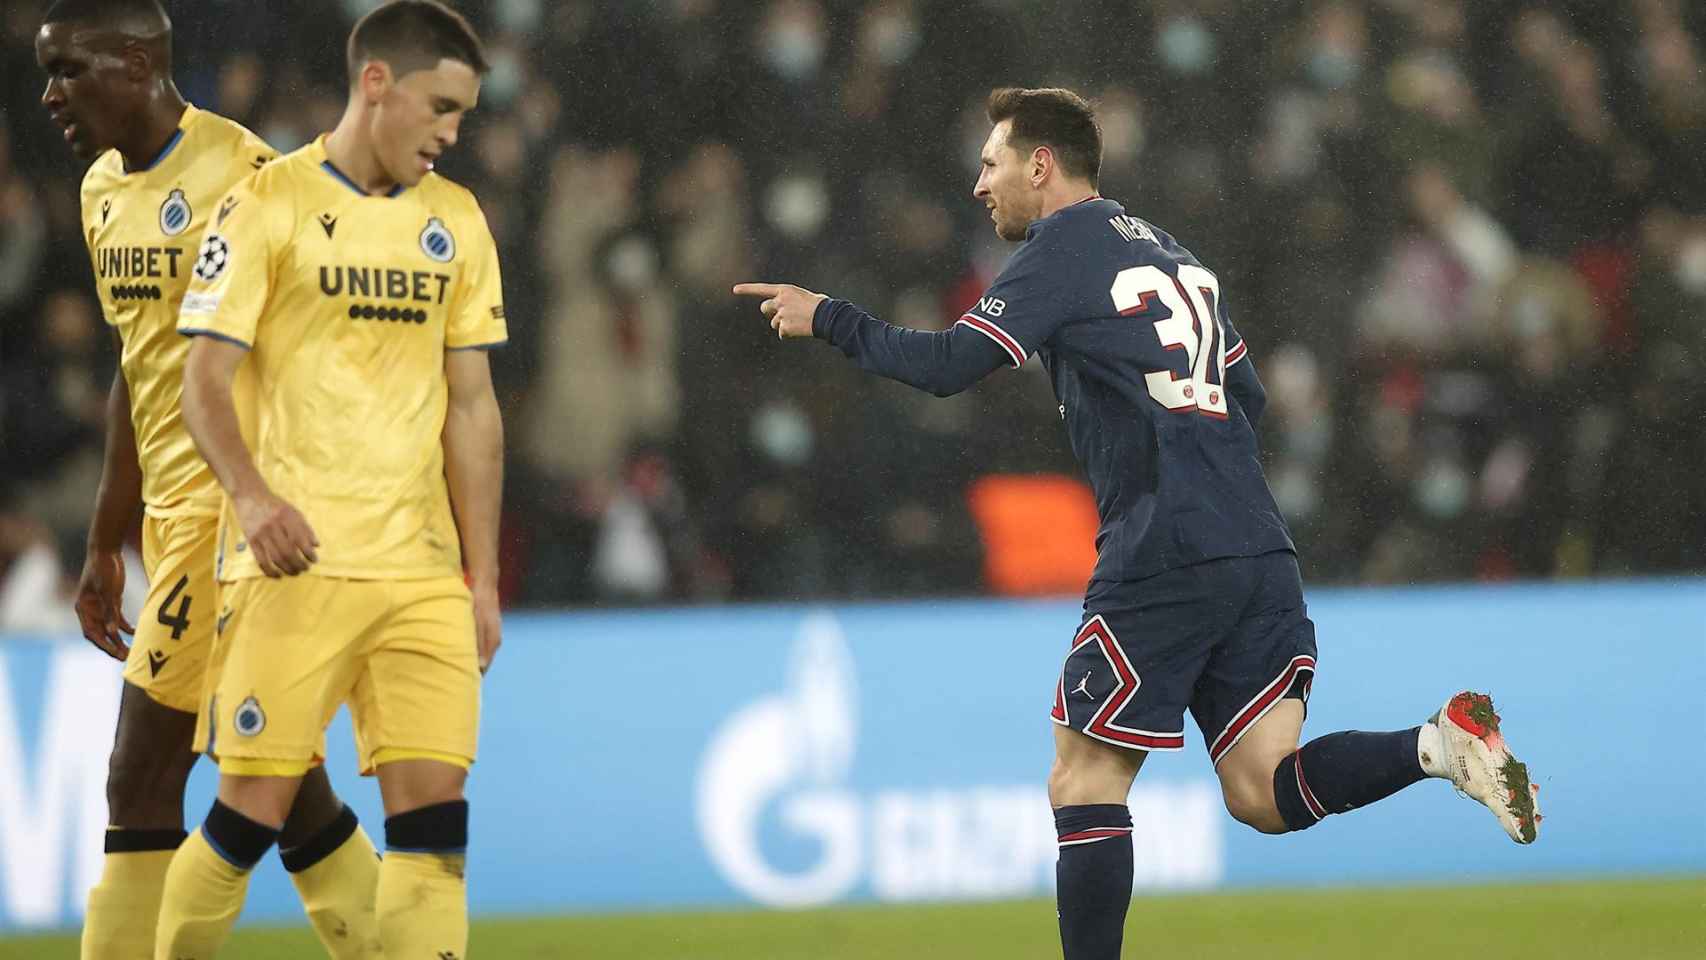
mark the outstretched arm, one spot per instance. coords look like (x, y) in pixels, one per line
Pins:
(942, 363)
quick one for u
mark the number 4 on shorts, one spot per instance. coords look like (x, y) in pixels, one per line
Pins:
(179, 620)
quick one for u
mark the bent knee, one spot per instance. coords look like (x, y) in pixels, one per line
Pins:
(315, 808)
(1251, 803)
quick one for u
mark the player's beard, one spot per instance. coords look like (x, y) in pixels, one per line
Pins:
(1012, 224)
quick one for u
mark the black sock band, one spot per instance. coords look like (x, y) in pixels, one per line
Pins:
(322, 844)
(1091, 821)
(1343, 771)
(1093, 879)
(1292, 797)
(440, 828)
(120, 840)
(241, 841)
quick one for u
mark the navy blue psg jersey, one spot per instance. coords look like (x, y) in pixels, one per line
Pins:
(1154, 383)
(1149, 371)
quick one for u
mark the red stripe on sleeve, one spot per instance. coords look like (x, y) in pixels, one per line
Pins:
(1001, 337)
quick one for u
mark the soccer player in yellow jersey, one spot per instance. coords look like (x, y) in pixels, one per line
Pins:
(358, 292)
(160, 168)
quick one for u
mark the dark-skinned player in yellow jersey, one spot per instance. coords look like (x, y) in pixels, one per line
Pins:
(159, 167)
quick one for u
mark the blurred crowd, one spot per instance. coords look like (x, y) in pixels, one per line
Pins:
(1466, 241)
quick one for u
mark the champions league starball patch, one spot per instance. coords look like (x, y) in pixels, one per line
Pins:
(175, 214)
(437, 242)
(249, 719)
(211, 261)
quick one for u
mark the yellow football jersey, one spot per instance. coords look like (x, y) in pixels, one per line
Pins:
(347, 303)
(143, 229)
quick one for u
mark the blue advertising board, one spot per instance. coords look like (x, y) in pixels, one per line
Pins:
(794, 756)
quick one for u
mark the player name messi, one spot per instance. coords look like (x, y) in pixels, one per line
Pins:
(419, 286)
(120, 262)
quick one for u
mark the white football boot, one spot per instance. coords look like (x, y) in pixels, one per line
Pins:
(1473, 755)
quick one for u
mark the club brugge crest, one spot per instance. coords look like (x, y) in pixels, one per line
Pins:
(175, 214)
(436, 241)
(249, 718)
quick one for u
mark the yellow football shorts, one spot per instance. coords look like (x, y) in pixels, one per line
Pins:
(290, 650)
(174, 632)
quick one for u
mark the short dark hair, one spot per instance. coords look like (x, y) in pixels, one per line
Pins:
(103, 11)
(415, 35)
(141, 22)
(1056, 118)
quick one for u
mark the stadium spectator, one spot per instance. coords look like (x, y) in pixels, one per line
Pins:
(1470, 237)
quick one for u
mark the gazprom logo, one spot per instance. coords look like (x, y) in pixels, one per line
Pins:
(782, 824)
(795, 747)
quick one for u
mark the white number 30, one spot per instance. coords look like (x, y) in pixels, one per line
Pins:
(1192, 324)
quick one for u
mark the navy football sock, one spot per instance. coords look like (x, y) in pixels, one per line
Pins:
(1343, 771)
(1093, 878)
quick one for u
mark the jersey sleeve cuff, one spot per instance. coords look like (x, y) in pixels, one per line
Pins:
(824, 317)
(492, 345)
(1237, 353)
(215, 335)
(1007, 342)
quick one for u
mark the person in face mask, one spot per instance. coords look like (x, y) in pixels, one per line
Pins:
(792, 40)
(1337, 46)
(1185, 45)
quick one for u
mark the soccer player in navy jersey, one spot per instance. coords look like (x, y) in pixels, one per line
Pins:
(1196, 602)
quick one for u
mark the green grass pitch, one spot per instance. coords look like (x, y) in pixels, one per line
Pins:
(1623, 920)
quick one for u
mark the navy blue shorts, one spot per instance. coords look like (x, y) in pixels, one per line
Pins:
(1226, 639)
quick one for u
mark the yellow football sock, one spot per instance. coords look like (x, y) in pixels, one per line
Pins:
(204, 894)
(124, 905)
(423, 905)
(339, 892)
